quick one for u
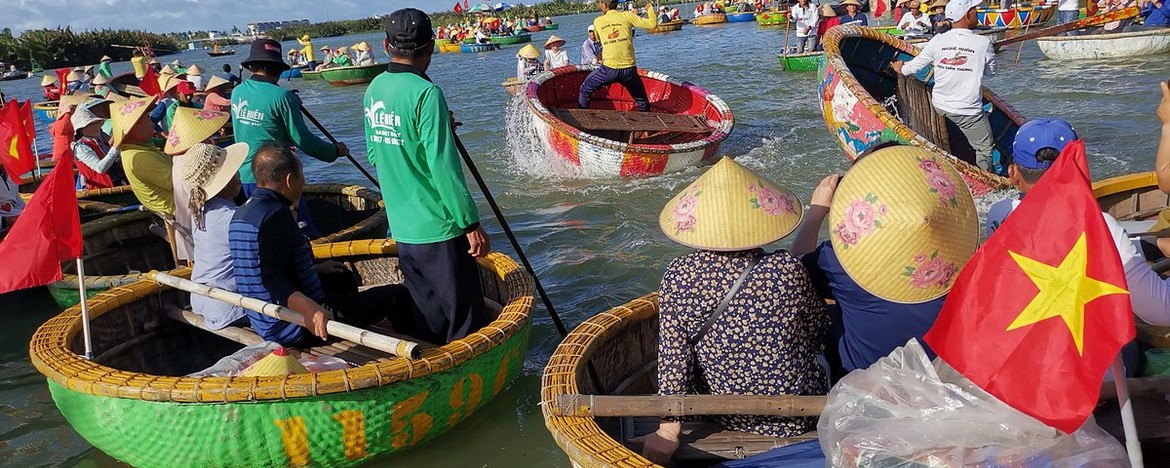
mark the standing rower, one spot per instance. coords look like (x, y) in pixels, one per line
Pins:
(615, 29)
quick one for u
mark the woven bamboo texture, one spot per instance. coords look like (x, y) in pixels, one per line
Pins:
(979, 179)
(586, 444)
(52, 354)
(352, 198)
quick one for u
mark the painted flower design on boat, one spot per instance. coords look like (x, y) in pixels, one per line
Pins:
(771, 201)
(862, 218)
(939, 182)
(930, 271)
(683, 214)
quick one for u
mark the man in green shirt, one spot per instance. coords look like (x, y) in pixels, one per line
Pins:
(410, 141)
(103, 67)
(263, 112)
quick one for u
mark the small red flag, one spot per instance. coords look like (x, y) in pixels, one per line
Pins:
(466, 6)
(62, 73)
(1041, 311)
(880, 9)
(458, 8)
(149, 83)
(16, 153)
(29, 123)
(47, 233)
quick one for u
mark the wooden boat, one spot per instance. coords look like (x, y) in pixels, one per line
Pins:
(668, 26)
(221, 53)
(710, 19)
(807, 61)
(741, 17)
(135, 402)
(685, 127)
(18, 75)
(511, 40)
(857, 84)
(448, 47)
(1106, 46)
(345, 76)
(533, 29)
(1015, 18)
(310, 75)
(513, 86)
(45, 111)
(810, 61)
(120, 248)
(552, 26)
(772, 18)
(477, 48)
(294, 72)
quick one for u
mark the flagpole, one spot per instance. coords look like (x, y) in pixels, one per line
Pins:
(84, 308)
(1133, 444)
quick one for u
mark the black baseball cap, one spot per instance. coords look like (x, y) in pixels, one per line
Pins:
(408, 30)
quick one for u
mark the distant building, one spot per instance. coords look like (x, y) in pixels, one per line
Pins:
(258, 28)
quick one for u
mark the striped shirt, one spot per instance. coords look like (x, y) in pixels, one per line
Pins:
(272, 260)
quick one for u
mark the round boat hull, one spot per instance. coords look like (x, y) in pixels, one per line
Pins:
(1014, 18)
(772, 18)
(447, 47)
(1106, 46)
(292, 73)
(667, 27)
(602, 157)
(477, 48)
(741, 17)
(311, 75)
(710, 19)
(345, 76)
(511, 40)
(45, 111)
(800, 62)
(552, 26)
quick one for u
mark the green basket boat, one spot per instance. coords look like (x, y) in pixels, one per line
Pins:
(891, 30)
(772, 18)
(134, 402)
(552, 26)
(807, 61)
(310, 75)
(511, 40)
(119, 248)
(345, 76)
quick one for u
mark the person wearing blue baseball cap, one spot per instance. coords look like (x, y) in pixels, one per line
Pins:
(1036, 146)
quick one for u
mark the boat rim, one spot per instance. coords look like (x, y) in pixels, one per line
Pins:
(718, 134)
(50, 353)
(834, 60)
(1106, 37)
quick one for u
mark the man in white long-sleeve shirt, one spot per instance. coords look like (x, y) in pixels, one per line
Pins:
(805, 17)
(961, 58)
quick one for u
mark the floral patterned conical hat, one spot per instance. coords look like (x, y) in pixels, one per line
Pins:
(903, 224)
(729, 208)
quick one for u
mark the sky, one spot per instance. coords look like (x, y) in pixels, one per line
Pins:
(191, 15)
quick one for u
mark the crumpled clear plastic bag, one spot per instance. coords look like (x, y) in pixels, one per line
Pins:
(239, 361)
(905, 412)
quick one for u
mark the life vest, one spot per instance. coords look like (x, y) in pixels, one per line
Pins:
(93, 179)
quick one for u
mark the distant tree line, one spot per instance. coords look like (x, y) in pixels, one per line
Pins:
(61, 47)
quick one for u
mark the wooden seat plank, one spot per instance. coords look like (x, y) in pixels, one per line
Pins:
(632, 121)
(708, 441)
(237, 334)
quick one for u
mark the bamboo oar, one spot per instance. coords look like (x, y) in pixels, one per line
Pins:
(1095, 20)
(388, 344)
(328, 135)
(787, 29)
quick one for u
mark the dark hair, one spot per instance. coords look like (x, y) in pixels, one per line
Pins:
(875, 148)
(227, 68)
(269, 68)
(1032, 176)
(612, 4)
(273, 163)
(411, 54)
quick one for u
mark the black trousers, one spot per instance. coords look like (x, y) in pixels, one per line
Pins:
(443, 280)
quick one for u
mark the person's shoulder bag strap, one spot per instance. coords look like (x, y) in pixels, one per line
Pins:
(697, 337)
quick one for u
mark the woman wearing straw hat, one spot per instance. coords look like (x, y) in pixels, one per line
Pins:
(101, 85)
(736, 319)
(97, 160)
(191, 127)
(554, 55)
(218, 97)
(211, 173)
(528, 63)
(103, 67)
(307, 51)
(938, 18)
(195, 77)
(902, 223)
(828, 21)
(74, 83)
(853, 14)
(147, 168)
(49, 88)
(363, 54)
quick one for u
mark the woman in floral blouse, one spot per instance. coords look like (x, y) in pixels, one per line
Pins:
(766, 340)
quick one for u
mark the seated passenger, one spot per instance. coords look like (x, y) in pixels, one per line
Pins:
(528, 63)
(902, 224)
(272, 261)
(147, 168)
(735, 319)
(97, 162)
(914, 22)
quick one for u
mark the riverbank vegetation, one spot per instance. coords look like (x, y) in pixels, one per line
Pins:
(61, 47)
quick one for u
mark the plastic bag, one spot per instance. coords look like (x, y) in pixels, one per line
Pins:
(238, 361)
(905, 412)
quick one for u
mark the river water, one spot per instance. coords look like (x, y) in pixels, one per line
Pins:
(595, 244)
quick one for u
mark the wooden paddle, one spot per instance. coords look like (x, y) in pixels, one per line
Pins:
(1087, 22)
(787, 28)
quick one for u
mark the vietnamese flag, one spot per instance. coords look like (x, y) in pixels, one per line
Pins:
(16, 153)
(62, 73)
(458, 8)
(149, 83)
(1042, 309)
(47, 233)
(26, 116)
(466, 6)
(879, 9)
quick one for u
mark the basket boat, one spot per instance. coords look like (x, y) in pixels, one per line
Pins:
(533, 29)
(1106, 46)
(686, 124)
(92, 203)
(294, 72)
(133, 402)
(1015, 18)
(448, 47)
(511, 40)
(221, 53)
(857, 84)
(552, 26)
(345, 76)
(808, 61)
(118, 249)
(46, 111)
(513, 86)
(741, 17)
(668, 26)
(772, 18)
(477, 48)
(310, 75)
(716, 18)
(891, 30)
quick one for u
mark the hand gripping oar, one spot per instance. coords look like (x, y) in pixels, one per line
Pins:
(1095, 20)
(334, 141)
(487, 195)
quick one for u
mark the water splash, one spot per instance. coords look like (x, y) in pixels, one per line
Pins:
(527, 150)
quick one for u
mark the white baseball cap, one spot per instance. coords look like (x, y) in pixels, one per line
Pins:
(957, 9)
(591, 27)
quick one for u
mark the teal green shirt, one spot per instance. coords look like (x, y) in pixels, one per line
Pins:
(410, 143)
(103, 68)
(264, 112)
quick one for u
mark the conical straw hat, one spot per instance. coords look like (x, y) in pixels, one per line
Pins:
(194, 70)
(903, 224)
(210, 167)
(191, 126)
(74, 100)
(529, 51)
(214, 82)
(167, 70)
(48, 80)
(127, 113)
(73, 76)
(552, 40)
(100, 79)
(106, 58)
(729, 208)
(275, 364)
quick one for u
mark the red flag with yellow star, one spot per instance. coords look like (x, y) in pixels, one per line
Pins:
(1042, 309)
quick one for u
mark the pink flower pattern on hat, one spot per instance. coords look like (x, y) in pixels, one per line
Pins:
(930, 271)
(173, 138)
(683, 214)
(862, 218)
(208, 115)
(939, 182)
(130, 107)
(771, 201)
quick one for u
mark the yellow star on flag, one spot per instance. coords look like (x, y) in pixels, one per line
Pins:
(1064, 291)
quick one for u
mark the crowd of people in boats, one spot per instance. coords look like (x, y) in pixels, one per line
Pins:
(359, 55)
(486, 26)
